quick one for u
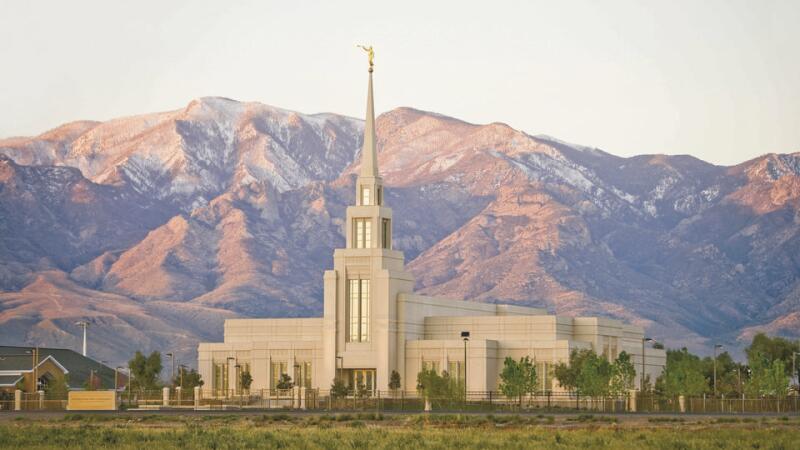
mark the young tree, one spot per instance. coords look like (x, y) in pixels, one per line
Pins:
(767, 378)
(338, 389)
(567, 373)
(727, 379)
(394, 381)
(683, 375)
(145, 370)
(58, 387)
(285, 382)
(439, 389)
(771, 349)
(187, 379)
(518, 378)
(245, 379)
(622, 375)
(595, 376)
(587, 373)
(361, 390)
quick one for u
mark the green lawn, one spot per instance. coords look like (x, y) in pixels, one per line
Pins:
(336, 432)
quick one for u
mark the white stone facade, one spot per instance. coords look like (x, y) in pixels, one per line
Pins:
(374, 324)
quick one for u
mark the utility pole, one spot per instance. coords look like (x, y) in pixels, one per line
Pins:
(35, 369)
(83, 324)
(716, 346)
(465, 337)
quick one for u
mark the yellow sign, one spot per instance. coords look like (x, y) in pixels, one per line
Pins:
(92, 401)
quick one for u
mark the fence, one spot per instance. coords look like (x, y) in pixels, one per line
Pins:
(388, 401)
(723, 405)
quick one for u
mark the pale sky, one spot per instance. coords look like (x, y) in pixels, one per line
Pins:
(716, 79)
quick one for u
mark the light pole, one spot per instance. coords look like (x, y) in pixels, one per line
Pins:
(172, 362)
(716, 346)
(181, 370)
(83, 324)
(465, 337)
(641, 380)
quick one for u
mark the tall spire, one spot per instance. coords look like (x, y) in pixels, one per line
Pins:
(369, 157)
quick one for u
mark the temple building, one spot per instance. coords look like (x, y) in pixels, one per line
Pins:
(374, 323)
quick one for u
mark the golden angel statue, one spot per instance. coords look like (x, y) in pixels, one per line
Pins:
(370, 54)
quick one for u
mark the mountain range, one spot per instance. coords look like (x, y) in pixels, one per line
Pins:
(156, 228)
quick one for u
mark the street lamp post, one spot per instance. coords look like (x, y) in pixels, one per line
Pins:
(641, 378)
(465, 337)
(181, 370)
(716, 346)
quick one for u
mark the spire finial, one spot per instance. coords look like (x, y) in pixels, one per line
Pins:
(370, 55)
(369, 158)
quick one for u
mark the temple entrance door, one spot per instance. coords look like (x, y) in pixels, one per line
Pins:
(365, 377)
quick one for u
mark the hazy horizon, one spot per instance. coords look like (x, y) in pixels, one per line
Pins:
(716, 80)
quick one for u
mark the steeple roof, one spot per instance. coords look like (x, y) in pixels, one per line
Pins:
(369, 156)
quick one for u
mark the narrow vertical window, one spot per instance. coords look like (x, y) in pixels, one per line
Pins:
(362, 233)
(277, 368)
(307, 375)
(386, 233)
(365, 195)
(364, 312)
(354, 307)
(358, 314)
(378, 196)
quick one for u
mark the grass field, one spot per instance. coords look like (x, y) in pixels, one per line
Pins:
(370, 431)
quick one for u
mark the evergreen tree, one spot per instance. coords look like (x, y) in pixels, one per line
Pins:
(394, 381)
(245, 380)
(338, 389)
(284, 382)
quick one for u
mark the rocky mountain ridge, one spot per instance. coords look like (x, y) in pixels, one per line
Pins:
(180, 219)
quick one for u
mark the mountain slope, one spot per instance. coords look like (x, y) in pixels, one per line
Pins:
(225, 208)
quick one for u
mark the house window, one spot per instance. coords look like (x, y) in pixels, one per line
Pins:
(359, 310)
(386, 233)
(276, 369)
(362, 233)
(378, 196)
(365, 195)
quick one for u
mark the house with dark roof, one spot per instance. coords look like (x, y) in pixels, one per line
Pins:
(20, 366)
